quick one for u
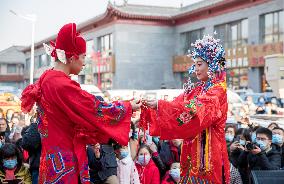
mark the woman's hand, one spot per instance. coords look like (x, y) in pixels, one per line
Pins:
(234, 146)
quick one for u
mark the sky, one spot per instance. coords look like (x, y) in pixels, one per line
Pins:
(53, 14)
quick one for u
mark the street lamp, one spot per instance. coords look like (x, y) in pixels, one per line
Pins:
(32, 19)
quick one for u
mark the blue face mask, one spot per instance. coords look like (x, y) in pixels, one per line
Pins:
(156, 140)
(10, 164)
(143, 159)
(242, 142)
(1, 144)
(253, 137)
(277, 139)
(175, 174)
(229, 137)
(262, 144)
(135, 135)
(123, 154)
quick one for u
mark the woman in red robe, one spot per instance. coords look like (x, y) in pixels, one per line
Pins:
(68, 117)
(198, 116)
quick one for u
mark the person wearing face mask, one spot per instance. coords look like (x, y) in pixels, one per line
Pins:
(147, 170)
(278, 139)
(264, 156)
(260, 106)
(253, 134)
(11, 165)
(242, 136)
(126, 171)
(230, 131)
(133, 140)
(173, 175)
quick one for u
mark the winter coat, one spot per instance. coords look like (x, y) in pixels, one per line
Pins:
(23, 174)
(148, 174)
(127, 172)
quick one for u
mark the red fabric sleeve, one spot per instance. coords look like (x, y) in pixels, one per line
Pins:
(95, 120)
(184, 119)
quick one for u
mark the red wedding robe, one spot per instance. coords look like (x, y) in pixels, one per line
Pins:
(68, 119)
(198, 118)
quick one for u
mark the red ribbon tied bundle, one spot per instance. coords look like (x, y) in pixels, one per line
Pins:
(145, 117)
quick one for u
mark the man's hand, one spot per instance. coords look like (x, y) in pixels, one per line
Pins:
(135, 104)
(255, 151)
(152, 103)
(97, 150)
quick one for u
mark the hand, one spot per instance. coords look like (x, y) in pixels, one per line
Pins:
(135, 104)
(153, 147)
(97, 150)
(151, 103)
(255, 151)
(241, 147)
(234, 146)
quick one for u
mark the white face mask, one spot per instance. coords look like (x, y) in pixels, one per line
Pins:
(175, 174)
(143, 159)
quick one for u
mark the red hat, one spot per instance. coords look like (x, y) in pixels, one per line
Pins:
(70, 41)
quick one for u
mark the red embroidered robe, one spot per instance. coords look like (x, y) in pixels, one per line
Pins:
(198, 118)
(68, 119)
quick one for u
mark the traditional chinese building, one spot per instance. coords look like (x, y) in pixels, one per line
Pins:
(146, 47)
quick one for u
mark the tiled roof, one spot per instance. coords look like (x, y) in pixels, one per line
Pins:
(12, 55)
(199, 5)
(147, 10)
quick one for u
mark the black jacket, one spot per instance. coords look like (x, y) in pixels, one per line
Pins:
(281, 150)
(167, 156)
(105, 166)
(31, 142)
(240, 164)
(270, 160)
(159, 163)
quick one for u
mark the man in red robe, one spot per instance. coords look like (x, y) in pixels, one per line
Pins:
(68, 117)
(198, 116)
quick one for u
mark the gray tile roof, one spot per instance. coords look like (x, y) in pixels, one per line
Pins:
(199, 5)
(163, 11)
(12, 55)
(147, 10)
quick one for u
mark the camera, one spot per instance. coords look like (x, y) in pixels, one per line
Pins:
(250, 146)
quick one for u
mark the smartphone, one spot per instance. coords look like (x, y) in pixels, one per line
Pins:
(237, 139)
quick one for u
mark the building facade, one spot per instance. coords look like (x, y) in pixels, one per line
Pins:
(146, 47)
(12, 61)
